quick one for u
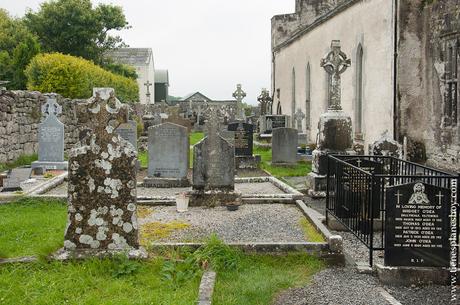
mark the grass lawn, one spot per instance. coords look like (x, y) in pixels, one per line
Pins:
(32, 227)
(195, 137)
(260, 278)
(301, 169)
(92, 282)
(20, 161)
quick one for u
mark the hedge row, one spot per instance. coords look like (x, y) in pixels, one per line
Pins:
(75, 77)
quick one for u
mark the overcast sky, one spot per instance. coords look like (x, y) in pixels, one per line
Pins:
(207, 45)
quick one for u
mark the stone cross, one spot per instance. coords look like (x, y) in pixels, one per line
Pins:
(51, 107)
(148, 84)
(264, 100)
(239, 95)
(335, 63)
(299, 116)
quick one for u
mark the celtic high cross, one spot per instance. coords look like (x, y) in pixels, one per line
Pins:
(239, 95)
(264, 100)
(335, 63)
(51, 107)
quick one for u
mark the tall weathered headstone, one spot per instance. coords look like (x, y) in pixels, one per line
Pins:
(102, 181)
(168, 147)
(334, 127)
(284, 146)
(213, 167)
(51, 138)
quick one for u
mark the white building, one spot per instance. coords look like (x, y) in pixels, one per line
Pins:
(300, 40)
(142, 60)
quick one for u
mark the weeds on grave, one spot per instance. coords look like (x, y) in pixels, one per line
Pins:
(123, 266)
(49, 175)
(213, 254)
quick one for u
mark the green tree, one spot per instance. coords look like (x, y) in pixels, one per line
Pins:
(17, 47)
(77, 28)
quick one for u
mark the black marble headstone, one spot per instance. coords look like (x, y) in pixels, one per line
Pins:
(417, 226)
(14, 179)
(243, 138)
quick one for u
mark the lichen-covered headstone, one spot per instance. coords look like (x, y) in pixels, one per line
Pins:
(102, 180)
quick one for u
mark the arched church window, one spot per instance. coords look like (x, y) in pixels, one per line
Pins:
(293, 96)
(359, 92)
(307, 95)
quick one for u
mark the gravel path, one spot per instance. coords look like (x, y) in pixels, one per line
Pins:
(245, 188)
(345, 286)
(335, 286)
(251, 223)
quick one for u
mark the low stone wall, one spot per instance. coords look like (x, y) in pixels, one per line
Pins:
(20, 115)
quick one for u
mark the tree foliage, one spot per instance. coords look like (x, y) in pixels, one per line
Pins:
(17, 47)
(75, 77)
(77, 28)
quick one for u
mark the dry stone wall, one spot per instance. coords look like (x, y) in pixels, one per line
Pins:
(20, 115)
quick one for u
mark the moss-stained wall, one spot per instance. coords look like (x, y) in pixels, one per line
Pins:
(424, 28)
(20, 114)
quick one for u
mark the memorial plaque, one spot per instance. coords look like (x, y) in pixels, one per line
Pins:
(243, 138)
(417, 226)
(168, 146)
(14, 179)
(128, 131)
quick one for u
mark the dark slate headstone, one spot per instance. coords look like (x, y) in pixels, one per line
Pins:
(284, 146)
(213, 165)
(243, 138)
(14, 179)
(128, 131)
(417, 226)
(168, 151)
(270, 122)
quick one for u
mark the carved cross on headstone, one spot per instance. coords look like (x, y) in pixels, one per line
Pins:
(440, 196)
(398, 195)
(335, 63)
(264, 100)
(51, 107)
(299, 116)
(239, 95)
(103, 114)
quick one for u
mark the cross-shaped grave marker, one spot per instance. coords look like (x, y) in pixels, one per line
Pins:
(239, 95)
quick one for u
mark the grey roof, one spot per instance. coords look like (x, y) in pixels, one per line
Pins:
(162, 76)
(132, 56)
(196, 96)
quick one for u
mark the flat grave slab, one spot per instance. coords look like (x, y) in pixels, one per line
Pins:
(276, 223)
(15, 179)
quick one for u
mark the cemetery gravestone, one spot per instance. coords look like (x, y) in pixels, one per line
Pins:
(243, 143)
(270, 122)
(284, 146)
(51, 139)
(168, 148)
(213, 168)
(14, 179)
(128, 132)
(102, 181)
(335, 126)
(417, 226)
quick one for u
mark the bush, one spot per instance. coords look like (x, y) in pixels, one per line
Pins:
(75, 77)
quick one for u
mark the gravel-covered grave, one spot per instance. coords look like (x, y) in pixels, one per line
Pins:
(250, 223)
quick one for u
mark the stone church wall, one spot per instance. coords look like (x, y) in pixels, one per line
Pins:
(423, 33)
(20, 114)
(366, 23)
